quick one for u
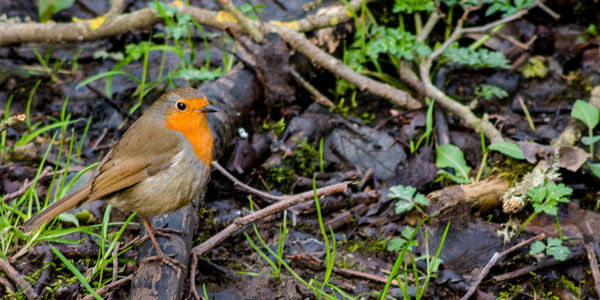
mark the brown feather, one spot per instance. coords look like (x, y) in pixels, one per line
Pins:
(70, 201)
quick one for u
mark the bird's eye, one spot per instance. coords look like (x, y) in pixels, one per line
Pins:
(181, 106)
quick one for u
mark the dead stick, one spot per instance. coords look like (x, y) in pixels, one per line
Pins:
(287, 202)
(319, 97)
(12, 121)
(244, 187)
(591, 256)
(14, 275)
(284, 203)
(495, 259)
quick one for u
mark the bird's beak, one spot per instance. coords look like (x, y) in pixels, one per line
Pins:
(209, 109)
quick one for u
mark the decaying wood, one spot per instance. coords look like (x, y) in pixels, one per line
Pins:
(483, 195)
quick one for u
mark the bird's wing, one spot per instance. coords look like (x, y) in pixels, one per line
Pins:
(145, 149)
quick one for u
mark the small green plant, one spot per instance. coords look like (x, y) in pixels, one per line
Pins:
(319, 287)
(553, 247)
(450, 156)
(488, 91)
(545, 198)
(404, 240)
(590, 116)
(406, 245)
(407, 199)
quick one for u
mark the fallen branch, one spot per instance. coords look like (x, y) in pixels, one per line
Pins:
(238, 223)
(319, 97)
(14, 275)
(11, 33)
(495, 259)
(286, 202)
(299, 42)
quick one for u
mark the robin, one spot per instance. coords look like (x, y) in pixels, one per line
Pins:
(158, 165)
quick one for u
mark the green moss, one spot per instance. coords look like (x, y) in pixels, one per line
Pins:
(303, 162)
(368, 246)
(512, 170)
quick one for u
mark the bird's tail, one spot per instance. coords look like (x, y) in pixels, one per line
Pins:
(70, 201)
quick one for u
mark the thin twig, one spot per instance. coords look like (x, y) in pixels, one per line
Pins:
(12, 121)
(14, 275)
(319, 97)
(492, 25)
(244, 187)
(27, 184)
(116, 261)
(434, 17)
(547, 9)
(110, 287)
(256, 34)
(495, 259)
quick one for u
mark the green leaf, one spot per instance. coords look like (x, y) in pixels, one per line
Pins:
(558, 191)
(420, 199)
(47, 8)
(69, 217)
(450, 156)
(412, 6)
(489, 91)
(402, 192)
(405, 195)
(595, 169)
(403, 206)
(537, 194)
(508, 149)
(590, 140)
(586, 113)
(537, 247)
(481, 58)
(395, 244)
(553, 242)
(556, 249)
(394, 41)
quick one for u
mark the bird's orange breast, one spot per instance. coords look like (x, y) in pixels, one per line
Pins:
(194, 128)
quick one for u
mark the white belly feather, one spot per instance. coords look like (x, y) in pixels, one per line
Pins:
(167, 190)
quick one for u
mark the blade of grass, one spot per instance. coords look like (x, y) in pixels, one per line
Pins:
(76, 272)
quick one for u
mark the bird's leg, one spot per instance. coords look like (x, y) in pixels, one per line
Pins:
(160, 256)
(166, 232)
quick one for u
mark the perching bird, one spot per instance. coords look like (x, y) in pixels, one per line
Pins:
(158, 165)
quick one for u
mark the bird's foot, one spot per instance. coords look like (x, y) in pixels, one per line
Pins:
(162, 258)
